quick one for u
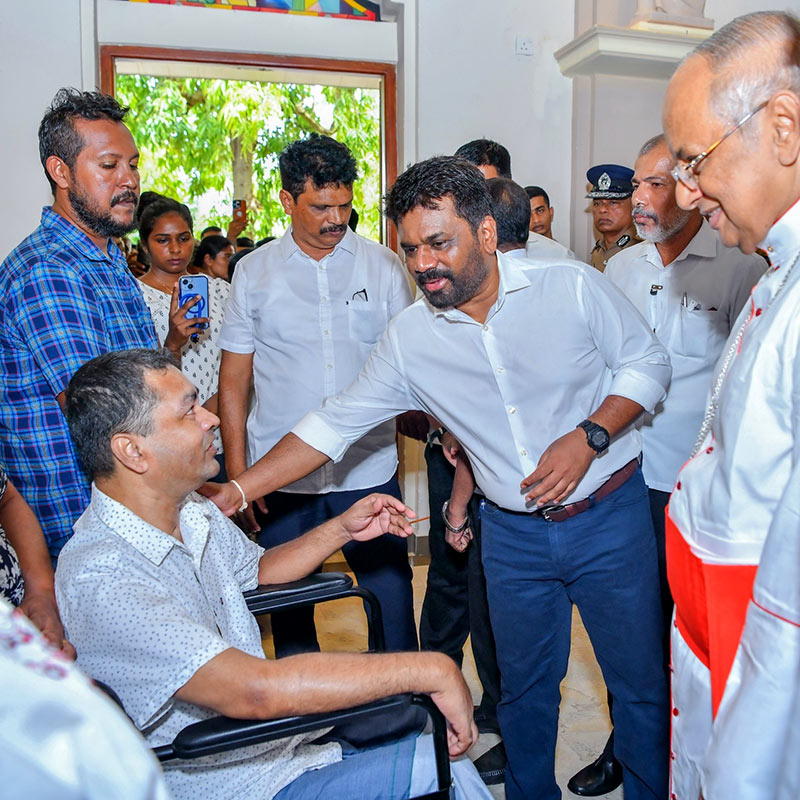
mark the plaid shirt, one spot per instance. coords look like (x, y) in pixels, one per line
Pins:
(62, 302)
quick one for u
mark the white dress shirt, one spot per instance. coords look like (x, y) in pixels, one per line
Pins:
(539, 246)
(558, 340)
(311, 326)
(145, 611)
(61, 736)
(692, 305)
(736, 503)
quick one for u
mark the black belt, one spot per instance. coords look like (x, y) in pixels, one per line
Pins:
(560, 513)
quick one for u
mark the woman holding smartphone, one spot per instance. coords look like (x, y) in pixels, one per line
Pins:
(165, 232)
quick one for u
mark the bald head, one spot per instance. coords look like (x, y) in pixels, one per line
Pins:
(748, 72)
(751, 58)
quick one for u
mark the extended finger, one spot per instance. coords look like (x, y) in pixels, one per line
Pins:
(555, 494)
(539, 474)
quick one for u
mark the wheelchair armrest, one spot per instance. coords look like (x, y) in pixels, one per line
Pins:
(314, 588)
(318, 588)
(221, 734)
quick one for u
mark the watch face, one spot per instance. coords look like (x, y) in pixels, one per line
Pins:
(598, 440)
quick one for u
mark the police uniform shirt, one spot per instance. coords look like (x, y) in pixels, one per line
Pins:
(600, 254)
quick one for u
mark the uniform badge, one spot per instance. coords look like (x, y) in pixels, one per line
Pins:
(604, 182)
(623, 240)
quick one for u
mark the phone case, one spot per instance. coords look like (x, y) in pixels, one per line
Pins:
(191, 286)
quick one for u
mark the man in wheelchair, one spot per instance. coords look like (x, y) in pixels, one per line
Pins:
(150, 591)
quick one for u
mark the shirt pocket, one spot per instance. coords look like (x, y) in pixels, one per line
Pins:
(366, 321)
(700, 333)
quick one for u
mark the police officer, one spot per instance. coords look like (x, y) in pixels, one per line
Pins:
(611, 210)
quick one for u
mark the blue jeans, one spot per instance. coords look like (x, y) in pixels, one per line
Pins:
(604, 561)
(392, 771)
(380, 565)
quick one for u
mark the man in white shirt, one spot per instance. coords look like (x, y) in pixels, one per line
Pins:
(732, 121)
(541, 227)
(304, 313)
(535, 368)
(151, 585)
(690, 288)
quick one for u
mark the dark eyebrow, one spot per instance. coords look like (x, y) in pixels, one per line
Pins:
(189, 399)
(426, 240)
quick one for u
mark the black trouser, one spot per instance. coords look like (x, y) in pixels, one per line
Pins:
(658, 506)
(455, 598)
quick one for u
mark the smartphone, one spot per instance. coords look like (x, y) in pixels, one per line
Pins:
(239, 210)
(190, 286)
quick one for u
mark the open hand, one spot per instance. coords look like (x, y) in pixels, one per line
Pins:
(455, 702)
(560, 469)
(375, 515)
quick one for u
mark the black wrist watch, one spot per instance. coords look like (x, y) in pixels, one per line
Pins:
(596, 435)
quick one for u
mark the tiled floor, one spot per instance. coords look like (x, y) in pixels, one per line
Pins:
(583, 726)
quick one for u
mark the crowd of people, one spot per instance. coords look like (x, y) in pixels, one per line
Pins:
(617, 435)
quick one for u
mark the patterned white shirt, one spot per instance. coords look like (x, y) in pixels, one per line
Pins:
(145, 611)
(311, 325)
(60, 736)
(199, 360)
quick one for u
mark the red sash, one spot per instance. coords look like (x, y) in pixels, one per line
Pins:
(711, 602)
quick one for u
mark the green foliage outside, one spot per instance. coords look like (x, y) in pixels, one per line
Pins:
(205, 142)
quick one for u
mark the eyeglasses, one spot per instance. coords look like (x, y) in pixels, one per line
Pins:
(686, 175)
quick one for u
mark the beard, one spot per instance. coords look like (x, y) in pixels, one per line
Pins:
(462, 287)
(95, 219)
(665, 227)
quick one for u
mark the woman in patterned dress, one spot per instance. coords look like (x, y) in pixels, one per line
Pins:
(165, 232)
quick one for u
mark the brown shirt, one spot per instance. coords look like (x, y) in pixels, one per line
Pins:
(599, 256)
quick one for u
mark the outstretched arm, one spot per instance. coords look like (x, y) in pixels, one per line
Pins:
(370, 517)
(290, 460)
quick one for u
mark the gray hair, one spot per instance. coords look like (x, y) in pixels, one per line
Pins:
(651, 144)
(110, 395)
(739, 84)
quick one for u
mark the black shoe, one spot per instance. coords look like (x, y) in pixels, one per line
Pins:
(484, 722)
(600, 777)
(491, 765)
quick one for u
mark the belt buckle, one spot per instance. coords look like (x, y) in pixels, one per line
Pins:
(545, 512)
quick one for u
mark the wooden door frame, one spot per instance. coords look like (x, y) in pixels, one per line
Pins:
(110, 52)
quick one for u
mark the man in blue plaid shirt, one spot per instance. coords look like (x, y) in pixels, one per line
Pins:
(66, 296)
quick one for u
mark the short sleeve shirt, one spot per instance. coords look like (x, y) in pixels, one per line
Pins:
(63, 301)
(200, 359)
(145, 611)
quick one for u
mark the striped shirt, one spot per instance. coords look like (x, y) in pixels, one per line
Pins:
(62, 302)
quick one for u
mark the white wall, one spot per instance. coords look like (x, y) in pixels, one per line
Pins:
(41, 53)
(470, 84)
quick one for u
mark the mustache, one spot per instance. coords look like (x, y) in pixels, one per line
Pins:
(639, 211)
(431, 275)
(125, 197)
(334, 229)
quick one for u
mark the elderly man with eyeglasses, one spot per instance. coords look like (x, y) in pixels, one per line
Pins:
(733, 523)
